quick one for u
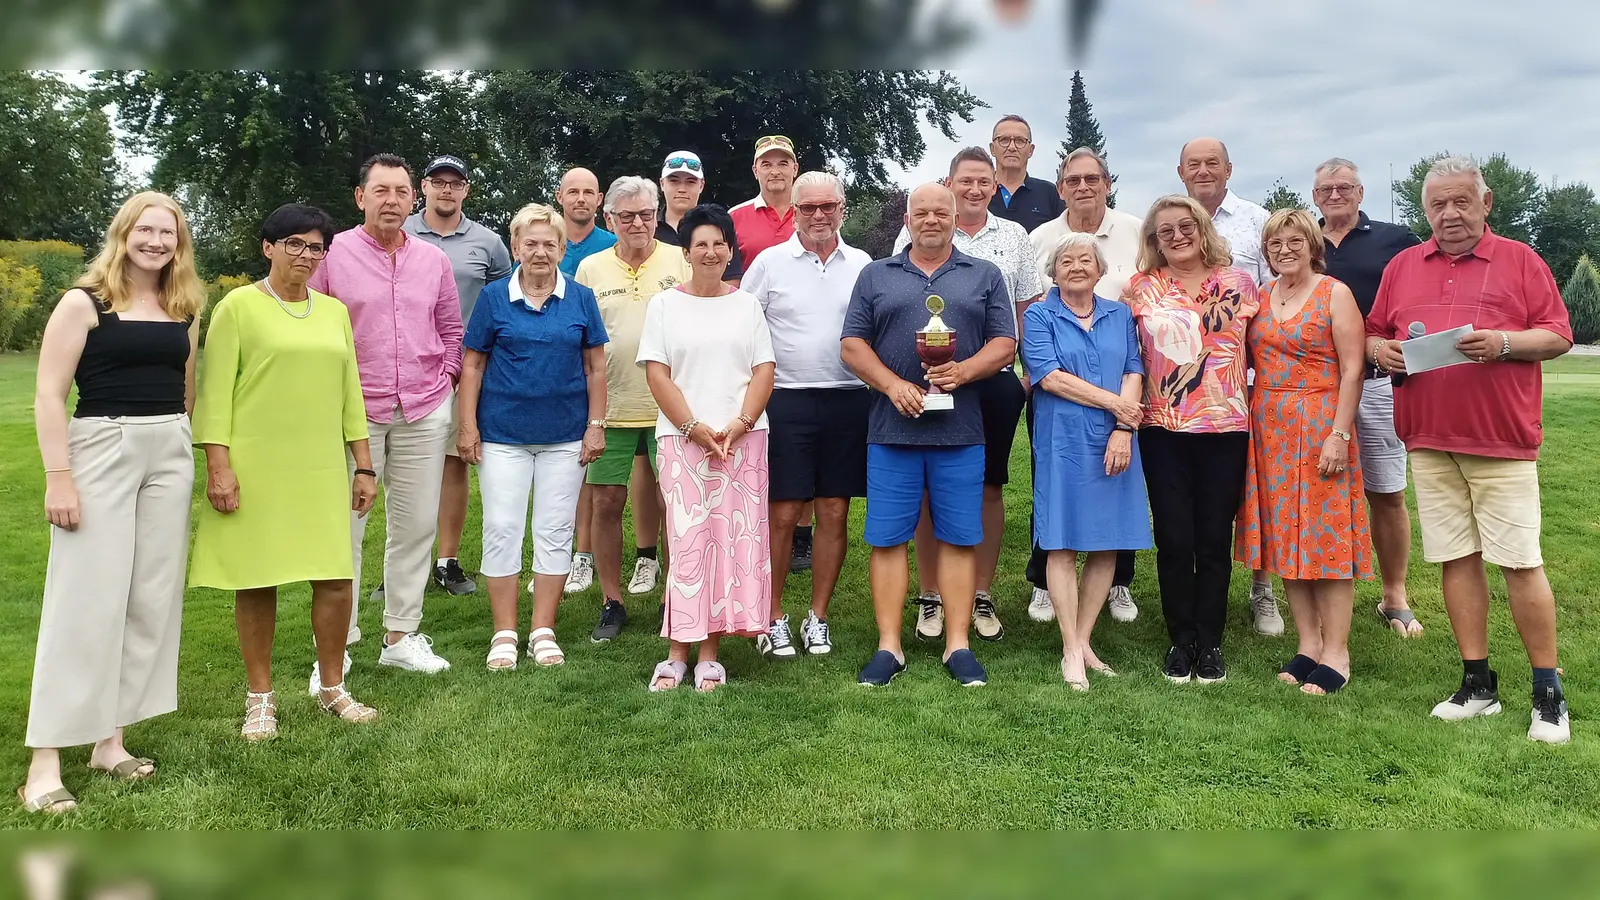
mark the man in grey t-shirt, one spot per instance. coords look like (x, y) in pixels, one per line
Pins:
(909, 450)
(477, 257)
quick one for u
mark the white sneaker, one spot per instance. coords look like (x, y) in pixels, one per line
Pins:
(580, 578)
(1475, 697)
(644, 576)
(814, 635)
(1123, 609)
(1040, 609)
(930, 616)
(414, 653)
(1264, 608)
(314, 687)
(1550, 724)
(777, 642)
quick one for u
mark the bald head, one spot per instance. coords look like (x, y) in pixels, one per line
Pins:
(1204, 168)
(579, 197)
(931, 219)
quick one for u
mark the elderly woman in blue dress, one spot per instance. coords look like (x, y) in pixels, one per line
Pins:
(1082, 357)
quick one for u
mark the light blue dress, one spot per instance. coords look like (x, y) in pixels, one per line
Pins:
(1076, 506)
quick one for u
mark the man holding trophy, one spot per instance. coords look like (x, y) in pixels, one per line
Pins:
(922, 326)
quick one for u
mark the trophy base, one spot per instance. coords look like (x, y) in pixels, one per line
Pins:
(933, 402)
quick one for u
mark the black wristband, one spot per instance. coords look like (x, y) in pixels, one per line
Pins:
(1122, 427)
(367, 472)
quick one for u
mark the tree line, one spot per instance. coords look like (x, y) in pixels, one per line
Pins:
(234, 145)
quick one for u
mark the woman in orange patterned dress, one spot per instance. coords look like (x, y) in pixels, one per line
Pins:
(1303, 516)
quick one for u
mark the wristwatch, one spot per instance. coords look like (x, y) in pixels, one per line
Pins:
(1341, 435)
(1505, 347)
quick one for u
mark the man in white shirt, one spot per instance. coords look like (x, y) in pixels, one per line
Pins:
(1204, 167)
(981, 233)
(1084, 181)
(818, 412)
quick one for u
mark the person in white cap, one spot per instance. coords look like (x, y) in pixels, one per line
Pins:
(683, 179)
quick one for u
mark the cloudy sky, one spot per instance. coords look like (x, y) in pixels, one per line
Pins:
(1289, 83)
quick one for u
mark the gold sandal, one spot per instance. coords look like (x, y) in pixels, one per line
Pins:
(128, 769)
(260, 716)
(52, 803)
(345, 706)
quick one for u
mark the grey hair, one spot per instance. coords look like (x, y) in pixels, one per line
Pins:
(629, 186)
(817, 179)
(1083, 153)
(1077, 241)
(1336, 163)
(1446, 166)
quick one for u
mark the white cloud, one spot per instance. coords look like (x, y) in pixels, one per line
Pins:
(1289, 83)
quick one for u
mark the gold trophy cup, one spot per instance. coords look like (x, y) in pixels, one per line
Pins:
(936, 345)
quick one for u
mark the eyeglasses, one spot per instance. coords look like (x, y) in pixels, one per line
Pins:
(1294, 244)
(1186, 227)
(627, 218)
(1328, 190)
(294, 247)
(683, 162)
(454, 184)
(1012, 141)
(810, 209)
(1073, 181)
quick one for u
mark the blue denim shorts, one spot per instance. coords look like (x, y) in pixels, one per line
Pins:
(897, 476)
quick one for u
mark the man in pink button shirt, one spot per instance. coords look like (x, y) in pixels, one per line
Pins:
(401, 293)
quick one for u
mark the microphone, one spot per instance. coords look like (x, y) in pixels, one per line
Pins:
(1414, 330)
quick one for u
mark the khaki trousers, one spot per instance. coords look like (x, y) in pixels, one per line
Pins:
(113, 592)
(409, 460)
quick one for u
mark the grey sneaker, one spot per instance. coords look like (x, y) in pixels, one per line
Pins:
(1123, 609)
(814, 635)
(1264, 609)
(984, 619)
(777, 643)
(1040, 609)
(930, 616)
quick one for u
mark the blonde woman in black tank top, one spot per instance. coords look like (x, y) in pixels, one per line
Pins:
(118, 481)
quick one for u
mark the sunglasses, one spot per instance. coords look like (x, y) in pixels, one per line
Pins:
(810, 209)
(683, 162)
(1186, 227)
(773, 140)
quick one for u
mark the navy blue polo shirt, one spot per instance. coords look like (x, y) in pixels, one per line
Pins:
(889, 305)
(1032, 204)
(534, 388)
(1360, 258)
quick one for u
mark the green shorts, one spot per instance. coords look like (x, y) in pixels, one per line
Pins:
(615, 465)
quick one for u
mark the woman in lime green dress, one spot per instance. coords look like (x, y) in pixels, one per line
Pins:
(279, 401)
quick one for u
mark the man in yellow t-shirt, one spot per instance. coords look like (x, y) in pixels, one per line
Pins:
(623, 279)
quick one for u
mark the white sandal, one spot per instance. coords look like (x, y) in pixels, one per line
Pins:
(345, 706)
(260, 716)
(670, 669)
(543, 649)
(504, 653)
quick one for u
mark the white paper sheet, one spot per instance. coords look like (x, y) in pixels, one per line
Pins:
(1435, 351)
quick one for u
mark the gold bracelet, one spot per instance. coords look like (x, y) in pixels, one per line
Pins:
(53, 471)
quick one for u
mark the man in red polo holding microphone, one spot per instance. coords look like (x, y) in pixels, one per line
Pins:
(1473, 430)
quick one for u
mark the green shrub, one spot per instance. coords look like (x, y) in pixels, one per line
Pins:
(58, 265)
(19, 290)
(215, 291)
(1582, 296)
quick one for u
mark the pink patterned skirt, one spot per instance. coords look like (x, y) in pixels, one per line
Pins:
(720, 581)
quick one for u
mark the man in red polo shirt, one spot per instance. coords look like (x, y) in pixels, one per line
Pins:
(767, 219)
(1473, 430)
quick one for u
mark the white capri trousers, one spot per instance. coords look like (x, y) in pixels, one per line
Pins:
(113, 593)
(507, 474)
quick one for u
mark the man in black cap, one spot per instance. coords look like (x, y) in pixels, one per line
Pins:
(478, 256)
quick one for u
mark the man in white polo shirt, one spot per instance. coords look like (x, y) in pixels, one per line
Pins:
(818, 411)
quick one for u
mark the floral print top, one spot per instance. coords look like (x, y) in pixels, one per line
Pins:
(1194, 350)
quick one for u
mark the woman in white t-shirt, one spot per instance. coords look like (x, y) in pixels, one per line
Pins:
(708, 359)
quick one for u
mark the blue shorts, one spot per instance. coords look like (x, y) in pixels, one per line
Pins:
(897, 476)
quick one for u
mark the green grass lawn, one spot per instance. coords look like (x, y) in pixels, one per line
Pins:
(799, 744)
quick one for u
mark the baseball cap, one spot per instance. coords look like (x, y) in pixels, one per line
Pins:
(446, 162)
(684, 161)
(772, 142)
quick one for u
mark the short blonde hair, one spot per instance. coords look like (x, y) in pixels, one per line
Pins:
(1299, 221)
(1077, 241)
(1214, 250)
(183, 295)
(539, 214)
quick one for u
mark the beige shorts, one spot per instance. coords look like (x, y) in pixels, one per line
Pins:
(1478, 504)
(455, 428)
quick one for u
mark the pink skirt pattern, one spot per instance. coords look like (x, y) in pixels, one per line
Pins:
(720, 581)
